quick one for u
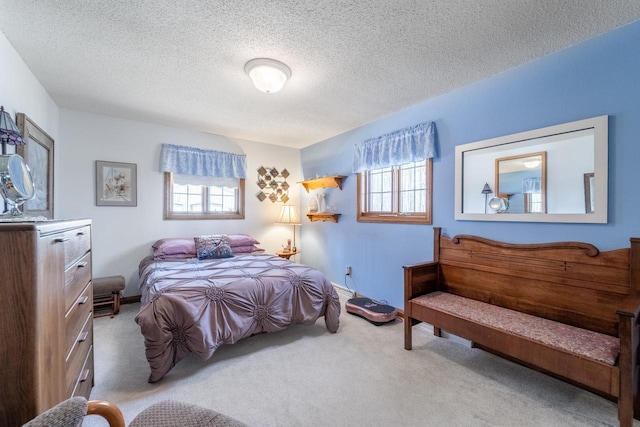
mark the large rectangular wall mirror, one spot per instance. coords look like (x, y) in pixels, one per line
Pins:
(536, 176)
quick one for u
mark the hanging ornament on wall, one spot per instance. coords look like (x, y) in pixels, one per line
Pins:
(273, 184)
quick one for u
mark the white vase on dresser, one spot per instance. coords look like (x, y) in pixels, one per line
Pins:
(320, 198)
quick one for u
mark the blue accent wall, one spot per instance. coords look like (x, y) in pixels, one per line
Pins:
(598, 77)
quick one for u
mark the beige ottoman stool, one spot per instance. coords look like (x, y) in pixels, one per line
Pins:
(106, 295)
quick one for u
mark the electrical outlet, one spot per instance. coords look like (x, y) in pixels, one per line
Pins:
(348, 270)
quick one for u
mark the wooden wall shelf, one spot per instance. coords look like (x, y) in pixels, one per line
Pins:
(323, 216)
(334, 181)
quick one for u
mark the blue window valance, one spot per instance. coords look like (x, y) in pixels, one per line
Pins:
(532, 185)
(182, 160)
(412, 144)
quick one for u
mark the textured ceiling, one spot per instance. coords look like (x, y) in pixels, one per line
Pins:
(180, 63)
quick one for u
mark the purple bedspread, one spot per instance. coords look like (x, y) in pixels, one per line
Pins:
(197, 305)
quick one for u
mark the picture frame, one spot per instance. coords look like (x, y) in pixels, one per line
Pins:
(37, 152)
(116, 184)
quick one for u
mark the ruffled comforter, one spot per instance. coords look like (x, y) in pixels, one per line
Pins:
(197, 305)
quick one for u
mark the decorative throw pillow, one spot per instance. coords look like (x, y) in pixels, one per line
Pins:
(213, 246)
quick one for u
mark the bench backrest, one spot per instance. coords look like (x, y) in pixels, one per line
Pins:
(570, 282)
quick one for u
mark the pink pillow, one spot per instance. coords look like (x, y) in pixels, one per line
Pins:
(183, 247)
(246, 249)
(241, 240)
(171, 247)
(175, 256)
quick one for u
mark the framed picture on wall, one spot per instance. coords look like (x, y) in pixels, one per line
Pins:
(38, 153)
(116, 184)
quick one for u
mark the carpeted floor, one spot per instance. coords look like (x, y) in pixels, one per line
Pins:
(361, 376)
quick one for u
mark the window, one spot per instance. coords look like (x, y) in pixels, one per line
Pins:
(186, 198)
(398, 194)
(533, 203)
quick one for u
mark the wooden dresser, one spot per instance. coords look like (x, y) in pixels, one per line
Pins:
(46, 323)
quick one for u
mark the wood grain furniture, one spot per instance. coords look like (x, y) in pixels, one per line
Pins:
(333, 181)
(46, 323)
(562, 308)
(287, 254)
(106, 295)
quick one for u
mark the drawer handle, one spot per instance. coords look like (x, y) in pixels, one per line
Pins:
(83, 264)
(85, 376)
(62, 239)
(83, 300)
(81, 233)
(83, 336)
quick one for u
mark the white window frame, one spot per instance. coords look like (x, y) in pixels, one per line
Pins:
(169, 213)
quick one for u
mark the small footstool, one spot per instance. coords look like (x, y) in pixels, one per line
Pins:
(106, 293)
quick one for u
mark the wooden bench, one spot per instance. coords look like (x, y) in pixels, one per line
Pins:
(578, 296)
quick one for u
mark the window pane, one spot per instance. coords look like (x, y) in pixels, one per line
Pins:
(396, 191)
(223, 199)
(194, 201)
(407, 202)
(387, 180)
(375, 181)
(380, 184)
(386, 203)
(179, 202)
(535, 202)
(375, 202)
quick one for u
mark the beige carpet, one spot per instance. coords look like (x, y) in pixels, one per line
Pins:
(361, 376)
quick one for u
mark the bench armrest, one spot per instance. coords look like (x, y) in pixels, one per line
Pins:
(419, 265)
(628, 332)
(420, 279)
(630, 307)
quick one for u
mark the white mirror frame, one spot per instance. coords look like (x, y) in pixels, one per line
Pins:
(599, 124)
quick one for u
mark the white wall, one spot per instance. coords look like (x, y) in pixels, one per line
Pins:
(20, 92)
(122, 236)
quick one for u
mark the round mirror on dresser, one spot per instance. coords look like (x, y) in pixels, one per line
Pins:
(16, 182)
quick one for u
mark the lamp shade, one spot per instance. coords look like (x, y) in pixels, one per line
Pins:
(288, 215)
(268, 75)
(486, 189)
(9, 133)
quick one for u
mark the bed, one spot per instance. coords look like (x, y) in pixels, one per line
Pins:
(191, 305)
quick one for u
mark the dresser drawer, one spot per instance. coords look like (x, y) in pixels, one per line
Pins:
(77, 356)
(76, 316)
(77, 242)
(85, 379)
(76, 278)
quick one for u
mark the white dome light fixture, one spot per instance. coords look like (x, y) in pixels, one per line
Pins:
(268, 75)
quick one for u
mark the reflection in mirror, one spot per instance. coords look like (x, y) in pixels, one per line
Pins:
(499, 204)
(555, 190)
(589, 196)
(521, 180)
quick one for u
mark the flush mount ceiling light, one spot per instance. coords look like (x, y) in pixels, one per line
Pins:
(268, 75)
(531, 164)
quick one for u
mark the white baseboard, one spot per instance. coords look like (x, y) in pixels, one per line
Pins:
(342, 291)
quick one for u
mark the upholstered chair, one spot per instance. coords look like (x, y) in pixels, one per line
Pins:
(167, 413)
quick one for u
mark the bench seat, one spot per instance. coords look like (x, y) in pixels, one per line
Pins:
(570, 339)
(563, 308)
